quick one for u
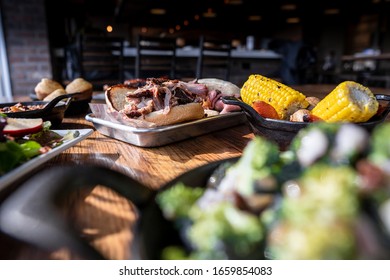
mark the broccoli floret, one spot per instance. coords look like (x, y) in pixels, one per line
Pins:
(331, 143)
(260, 160)
(226, 232)
(319, 222)
(380, 144)
(176, 201)
(329, 130)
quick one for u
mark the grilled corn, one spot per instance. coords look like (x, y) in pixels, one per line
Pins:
(283, 98)
(348, 102)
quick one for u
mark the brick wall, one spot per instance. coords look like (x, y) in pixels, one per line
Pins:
(27, 43)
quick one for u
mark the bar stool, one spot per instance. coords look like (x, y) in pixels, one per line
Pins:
(101, 60)
(156, 57)
(214, 58)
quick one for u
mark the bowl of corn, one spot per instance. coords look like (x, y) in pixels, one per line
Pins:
(276, 118)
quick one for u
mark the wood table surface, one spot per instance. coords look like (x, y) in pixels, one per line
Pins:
(105, 219)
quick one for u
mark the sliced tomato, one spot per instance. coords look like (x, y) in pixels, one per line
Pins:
(265, 110)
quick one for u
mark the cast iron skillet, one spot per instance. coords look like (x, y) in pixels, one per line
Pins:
(76, 106)
(31, 214)
(53, 111)
(282, 132)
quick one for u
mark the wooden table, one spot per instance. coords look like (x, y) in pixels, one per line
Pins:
(103, 217)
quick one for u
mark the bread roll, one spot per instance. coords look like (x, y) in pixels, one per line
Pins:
(54, 94)
(46, 87)
(177, 114)
(81, 86)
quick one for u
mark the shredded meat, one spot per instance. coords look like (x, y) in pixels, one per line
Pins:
(162, 94)
(19, 107)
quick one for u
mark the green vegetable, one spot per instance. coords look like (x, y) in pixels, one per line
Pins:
(13, 154)
(176, 201)
(224, 231)
(380, 144)
(30, 148)
(260, 161)
(319, 222)
(329, 129)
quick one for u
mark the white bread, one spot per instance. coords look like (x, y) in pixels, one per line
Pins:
(81, 86)
(45, 87)
(116, 97)
(177, 114)
(116, 100)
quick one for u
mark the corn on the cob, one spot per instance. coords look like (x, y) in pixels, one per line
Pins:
(348, 102)
(283, 98)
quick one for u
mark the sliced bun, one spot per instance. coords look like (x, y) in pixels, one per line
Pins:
(45, 87)
(116, 100)
(82, 86)
(177, 114)
(116, 96)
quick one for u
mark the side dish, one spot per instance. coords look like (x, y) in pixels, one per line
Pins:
(348, 102)
(326, 197)
(24, 139)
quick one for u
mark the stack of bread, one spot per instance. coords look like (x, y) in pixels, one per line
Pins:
(48, 89)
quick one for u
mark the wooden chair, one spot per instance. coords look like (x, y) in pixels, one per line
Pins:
(101, 59)
(214, 58)
(156, 57)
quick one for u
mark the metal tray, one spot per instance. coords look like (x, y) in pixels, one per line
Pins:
(159, 136)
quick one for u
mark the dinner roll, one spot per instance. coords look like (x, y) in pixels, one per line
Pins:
(54, 94)
(45, 87)
(82, 86)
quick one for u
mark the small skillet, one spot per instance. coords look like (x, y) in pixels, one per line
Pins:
(282, 131)
(53, 111)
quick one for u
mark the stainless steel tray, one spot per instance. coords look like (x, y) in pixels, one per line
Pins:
(159, 136)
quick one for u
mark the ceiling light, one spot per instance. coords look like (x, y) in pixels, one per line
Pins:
(331, 11)
(158, 11)
(233, 2)
(293, 20)
(288, 7)
(109, 28)
(209, 13)
(254, 18)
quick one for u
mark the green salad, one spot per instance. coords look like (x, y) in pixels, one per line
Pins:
(326, 197)
(14, 151)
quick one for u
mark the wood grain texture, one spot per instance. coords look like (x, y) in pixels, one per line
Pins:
(105, 219)
(102, 217)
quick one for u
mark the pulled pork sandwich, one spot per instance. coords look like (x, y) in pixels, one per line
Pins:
(160, 101)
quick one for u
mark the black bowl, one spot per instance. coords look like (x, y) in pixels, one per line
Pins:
(53, 111)
(282, 132)
(76, 106)
(151, 241)
(36, 202)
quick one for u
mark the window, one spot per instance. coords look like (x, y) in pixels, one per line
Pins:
(5, 84)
